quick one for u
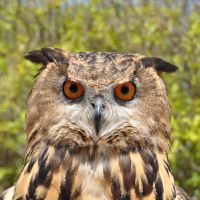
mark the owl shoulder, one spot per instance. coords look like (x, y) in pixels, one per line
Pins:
(181, 194)
(8, 194)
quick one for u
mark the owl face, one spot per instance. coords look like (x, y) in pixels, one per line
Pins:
(101, 96)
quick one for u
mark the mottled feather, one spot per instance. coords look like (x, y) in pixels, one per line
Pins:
(66, 157)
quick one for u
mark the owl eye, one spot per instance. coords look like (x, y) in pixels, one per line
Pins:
(125, 91)
(73, 90)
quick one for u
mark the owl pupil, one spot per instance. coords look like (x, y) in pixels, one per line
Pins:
(73, 88)
(125, 90)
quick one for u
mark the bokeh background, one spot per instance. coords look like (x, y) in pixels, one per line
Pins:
(162, 28)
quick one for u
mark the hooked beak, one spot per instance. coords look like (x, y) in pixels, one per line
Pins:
(97, 118)
(98, 112)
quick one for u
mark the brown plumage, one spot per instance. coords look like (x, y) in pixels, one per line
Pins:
(97, 146)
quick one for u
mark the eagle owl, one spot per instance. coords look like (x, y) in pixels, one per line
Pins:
(98, 128)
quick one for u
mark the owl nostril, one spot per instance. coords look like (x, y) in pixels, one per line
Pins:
(94, 106)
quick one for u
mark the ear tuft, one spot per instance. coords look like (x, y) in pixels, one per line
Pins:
(37, 56)
(158, 64)
(46, 55)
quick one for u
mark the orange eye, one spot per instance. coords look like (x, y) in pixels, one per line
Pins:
(125, 91)
(73, 90)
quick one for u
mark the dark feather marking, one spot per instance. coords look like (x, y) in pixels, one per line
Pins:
(32, 187)
(151, 165)
(147, 188)
(60, 153)
(127, 62)
(151, 177)
(115, 185)
(66, 186)
(125, 197)
(32, 135)
(106, 168)
(151, 170)
(68, 182)
(30, 165)
(92, 60)
(137, 67)
(39, 177)
(72, 150)
(84, 55)
(174, 192)
(127, 173)
(48, 180)
(167, 167)
(43, 167)
(43, 177)
(115, 189)
(137, 190)
(32, 147)
(76, 194)
(113, 68)
(20, 198)
(182, 194)
(110, 56)
(36, 143)
(159, 189)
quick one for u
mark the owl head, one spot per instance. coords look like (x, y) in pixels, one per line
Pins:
(98, 99)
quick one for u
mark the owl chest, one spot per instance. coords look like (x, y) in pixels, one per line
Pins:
(131, 176)
(89, 182)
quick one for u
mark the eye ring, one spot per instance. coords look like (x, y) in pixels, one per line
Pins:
(125, 91)
(73, 90)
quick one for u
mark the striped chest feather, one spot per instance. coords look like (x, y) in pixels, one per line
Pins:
(102, 175)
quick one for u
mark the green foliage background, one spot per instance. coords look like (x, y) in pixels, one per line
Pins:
(164, 28)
